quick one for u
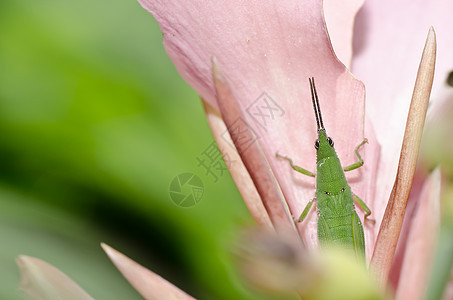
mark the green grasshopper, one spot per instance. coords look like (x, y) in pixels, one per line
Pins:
(338, 222)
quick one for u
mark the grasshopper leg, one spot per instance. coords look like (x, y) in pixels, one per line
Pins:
(360, 162)
(364, 207)
(296, 168)
(305, 212)
(324, 231)
(357, 237)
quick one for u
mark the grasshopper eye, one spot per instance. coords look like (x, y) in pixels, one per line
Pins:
(317, 144)
(330, 141)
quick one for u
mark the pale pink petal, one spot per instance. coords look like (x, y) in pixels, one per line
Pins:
(41, 280)
(247, 145)
(388, 39)
(390, 229)
(237, 169)
(372, 158)
(272, 48)
(150, 285)
(421, 242)
(412, 204)
(448, 294)
(340, 17)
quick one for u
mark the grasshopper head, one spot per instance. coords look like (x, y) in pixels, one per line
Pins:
(324, 144)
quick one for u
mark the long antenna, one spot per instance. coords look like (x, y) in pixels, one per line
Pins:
(314, 103)
(315, 100)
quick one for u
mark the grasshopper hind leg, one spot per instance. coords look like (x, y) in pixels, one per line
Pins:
(358, 238)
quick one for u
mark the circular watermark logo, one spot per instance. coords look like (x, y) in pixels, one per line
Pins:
(186, 190)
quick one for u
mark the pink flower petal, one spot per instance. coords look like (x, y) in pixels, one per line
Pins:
(340, 17)
(421, 242)
(148, 284)
(448, 294)
(412, 204)
(237, 169)
(245, 141)
(388, 39)
(43, 281)
(390, 229)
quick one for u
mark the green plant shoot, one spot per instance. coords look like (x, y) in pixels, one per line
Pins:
(338, 222)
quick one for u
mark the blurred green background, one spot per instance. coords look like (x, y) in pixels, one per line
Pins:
(95, 122)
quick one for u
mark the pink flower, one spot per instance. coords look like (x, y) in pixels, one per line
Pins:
(264, 52)
(265, 47)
